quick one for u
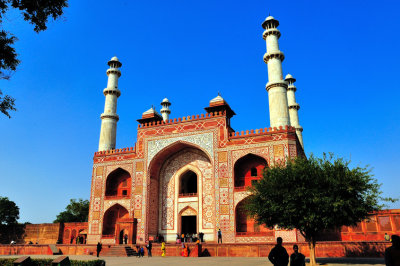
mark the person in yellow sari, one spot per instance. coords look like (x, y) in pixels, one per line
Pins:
(163, 249)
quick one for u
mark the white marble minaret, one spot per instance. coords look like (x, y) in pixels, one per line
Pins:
(165, 111)
(294, 107)
(109, 118)
(276, 86)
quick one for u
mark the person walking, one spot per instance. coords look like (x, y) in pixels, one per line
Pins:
(163, 249)
(392, 254)
(219, 235)
(98, 249)
(297, 259)
(278, 255)
(149, 247)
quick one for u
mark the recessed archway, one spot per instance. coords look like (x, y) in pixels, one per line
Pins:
(248, 170)
(188, 221)
(113, 215)
(118, 183)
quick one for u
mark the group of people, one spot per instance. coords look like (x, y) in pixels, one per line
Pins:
(140, 250)
(184, 238)
(279, 256)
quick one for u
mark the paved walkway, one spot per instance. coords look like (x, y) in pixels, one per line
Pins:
(220, 261)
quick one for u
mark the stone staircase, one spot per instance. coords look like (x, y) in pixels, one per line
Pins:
(119, 251)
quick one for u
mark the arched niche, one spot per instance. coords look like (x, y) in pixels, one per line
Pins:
(118, 184)
(112, 216)
(248, 169)
(188, 183)
(245, 225)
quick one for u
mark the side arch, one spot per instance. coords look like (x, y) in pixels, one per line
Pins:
(118, 183)
(248, 169)
(111, 217)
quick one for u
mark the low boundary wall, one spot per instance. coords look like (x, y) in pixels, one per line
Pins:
(323, 249)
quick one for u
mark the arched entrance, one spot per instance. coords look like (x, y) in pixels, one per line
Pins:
(188, 221)
(116, 222)
(178, 176)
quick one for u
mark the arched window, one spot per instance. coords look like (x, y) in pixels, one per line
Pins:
(248, 170)
(118, 183)
(188, 184)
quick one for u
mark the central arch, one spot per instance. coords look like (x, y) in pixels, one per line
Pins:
(176, 171)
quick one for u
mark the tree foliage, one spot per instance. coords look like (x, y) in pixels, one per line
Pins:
(37, 13)
(313, 195)
(76, 211)
(9, 212)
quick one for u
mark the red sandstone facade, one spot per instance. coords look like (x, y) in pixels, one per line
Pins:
(185, 175)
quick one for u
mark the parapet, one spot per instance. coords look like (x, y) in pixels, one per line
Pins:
(261, 131)
(183, 119)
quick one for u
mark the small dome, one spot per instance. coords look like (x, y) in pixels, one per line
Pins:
(114, 59)
(217, 99)
(269, 18)
(288, 76)
(150, 111)
(165, 100)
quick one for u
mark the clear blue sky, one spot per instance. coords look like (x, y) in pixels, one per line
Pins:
(344, 55)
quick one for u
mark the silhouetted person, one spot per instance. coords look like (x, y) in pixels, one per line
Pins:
(201, 236)
(149, 247)
(126, 239)
(297, 259)
(278, 255)
(392, 254)
(219, 235)
(98, 249)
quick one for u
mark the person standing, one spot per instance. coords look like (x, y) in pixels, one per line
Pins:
(163, 249)
(219, 235)
(387, 237)
(126, 239)
(98, 249)
(278, 255)
(149, 247)
(297, 259)
(392, 254)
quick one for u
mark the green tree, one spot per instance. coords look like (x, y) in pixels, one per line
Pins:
(76, 211)
(9, 212)
(35, 12)
(313, 195)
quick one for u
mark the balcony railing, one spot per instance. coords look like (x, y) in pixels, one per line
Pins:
(181, 195)
(108, 236)
(117, 197)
